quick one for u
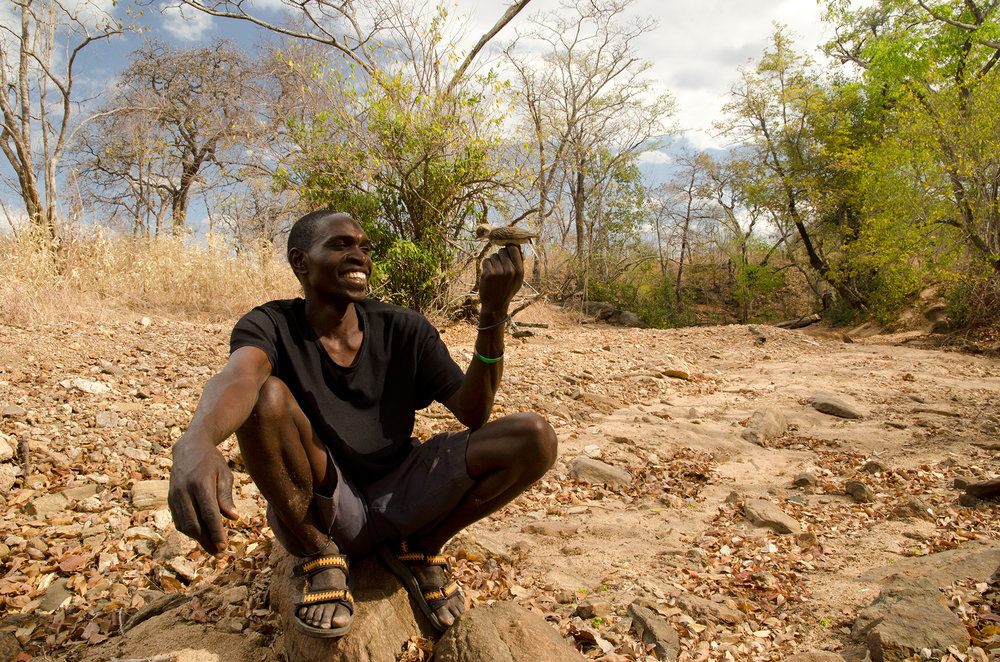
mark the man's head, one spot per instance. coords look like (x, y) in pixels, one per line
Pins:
(330, 255)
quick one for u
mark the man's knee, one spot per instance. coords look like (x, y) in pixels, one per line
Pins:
(274, 401)
(538, 443)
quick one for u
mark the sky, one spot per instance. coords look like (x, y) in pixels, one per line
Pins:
(695, 50)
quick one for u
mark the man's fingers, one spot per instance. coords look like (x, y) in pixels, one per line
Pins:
(211, 522)
(224, 492)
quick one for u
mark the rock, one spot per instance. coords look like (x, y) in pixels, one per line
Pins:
(12, 411)
(859, 491)
(764, 513)
(875, 467)
(815, 656)
(56, 596)
(501, 632)
(653, 630)
(150, 494)
(43, 505)
(626, 318)
(765, 424)
(913, 507)
(716, 612)
(85, 385)
(594, 471)
(10, 647)
(8, 476)
(106, 419)
(805, 480)
(590, 609)
(7, 445)
(4, 553)
(807, 540)
(962, 482)
(969, 501)
(81, 491)
(975, 561)
(384, 619)
(908, 615)
(551, 528)
(830, 404)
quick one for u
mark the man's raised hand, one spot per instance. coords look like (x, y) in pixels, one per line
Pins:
(503, 274)
(201, 492)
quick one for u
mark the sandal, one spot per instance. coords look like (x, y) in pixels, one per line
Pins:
(306, 598)
(429, 597)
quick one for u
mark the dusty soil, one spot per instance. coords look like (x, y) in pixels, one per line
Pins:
(679, 527)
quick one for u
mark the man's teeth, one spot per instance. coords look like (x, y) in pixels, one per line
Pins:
(357, 275)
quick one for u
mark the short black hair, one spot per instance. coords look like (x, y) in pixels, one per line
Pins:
(303, 231)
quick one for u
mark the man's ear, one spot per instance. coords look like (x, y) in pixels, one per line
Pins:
(297, 259)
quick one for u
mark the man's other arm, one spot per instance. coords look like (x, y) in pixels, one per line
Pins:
(201, 483)
(503, 273)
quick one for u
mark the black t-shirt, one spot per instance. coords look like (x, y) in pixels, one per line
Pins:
(363, 412)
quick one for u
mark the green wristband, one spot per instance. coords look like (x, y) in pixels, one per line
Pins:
(486, 360)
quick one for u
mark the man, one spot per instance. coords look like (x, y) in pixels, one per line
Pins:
(321, 394)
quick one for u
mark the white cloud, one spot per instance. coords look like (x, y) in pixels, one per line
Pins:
(184, 23)
(654, 156)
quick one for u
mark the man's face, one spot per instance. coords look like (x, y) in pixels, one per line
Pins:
(338, 263)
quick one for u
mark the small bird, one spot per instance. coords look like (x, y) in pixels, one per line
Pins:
(505, 234)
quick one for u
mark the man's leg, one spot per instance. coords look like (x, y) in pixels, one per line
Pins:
(288, 464)
(504, 457)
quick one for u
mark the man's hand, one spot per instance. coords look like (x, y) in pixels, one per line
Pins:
(503, 274)
(201, 492)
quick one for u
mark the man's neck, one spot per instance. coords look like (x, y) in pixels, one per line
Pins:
(332, 320)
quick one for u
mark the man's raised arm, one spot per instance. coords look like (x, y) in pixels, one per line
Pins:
(201, 483)
(502, 276)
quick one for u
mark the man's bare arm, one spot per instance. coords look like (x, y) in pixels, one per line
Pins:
(503, 274)
(201, 484)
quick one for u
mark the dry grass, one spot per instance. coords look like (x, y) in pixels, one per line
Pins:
(98, 277)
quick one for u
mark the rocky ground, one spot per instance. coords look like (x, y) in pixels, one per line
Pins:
(697, 474)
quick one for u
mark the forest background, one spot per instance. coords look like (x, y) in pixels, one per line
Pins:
(853, 180)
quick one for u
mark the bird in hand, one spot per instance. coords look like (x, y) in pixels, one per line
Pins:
(504, 234)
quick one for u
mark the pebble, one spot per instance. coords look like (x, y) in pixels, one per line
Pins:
(859, 491)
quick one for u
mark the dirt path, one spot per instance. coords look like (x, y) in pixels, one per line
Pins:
(677, 528)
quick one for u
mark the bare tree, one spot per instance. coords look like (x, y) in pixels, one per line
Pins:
(39, 56)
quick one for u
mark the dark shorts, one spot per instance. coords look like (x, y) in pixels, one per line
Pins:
(410, 499)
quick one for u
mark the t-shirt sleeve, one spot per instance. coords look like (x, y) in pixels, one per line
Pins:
(438, 376)
(256, 329)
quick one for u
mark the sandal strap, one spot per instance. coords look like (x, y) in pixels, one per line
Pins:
(325, 562)
(343, 596)
(437, 596)
(416, 557)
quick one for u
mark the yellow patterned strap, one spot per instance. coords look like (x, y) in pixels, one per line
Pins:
(419, 558)
(441, 594)
(323, 563)
(338, 595)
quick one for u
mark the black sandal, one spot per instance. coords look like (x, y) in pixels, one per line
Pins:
(429, 597)
(310, 566)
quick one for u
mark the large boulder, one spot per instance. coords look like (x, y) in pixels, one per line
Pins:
(384, 615)
(910, 614)
(503, 632)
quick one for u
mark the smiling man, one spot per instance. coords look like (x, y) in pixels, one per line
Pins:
(321, 393)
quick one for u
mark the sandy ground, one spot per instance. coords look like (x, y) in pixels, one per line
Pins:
(677, 528)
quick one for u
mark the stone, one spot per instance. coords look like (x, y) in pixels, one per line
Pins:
(106, 419)
(962, 482)
(8, 476)
(909, 614)
(7, 445)
(502, 632)
(4, 554)
(698, 607)
(975, 561)
(807, 540)
(875, 467)
(10, 647)
(50, 503)
(56, 596)
(12, 411)
(764, 424)
(815, 656)
(653, 630)
(859, 491)
(830, 404)
(913, 507)
(480, 546)
(384, 618)
(594, 471)
(805, 480)
(590, 609)
(764, 513)
(81, 491)
(150, 494)
(551, 528)
(85, 385)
